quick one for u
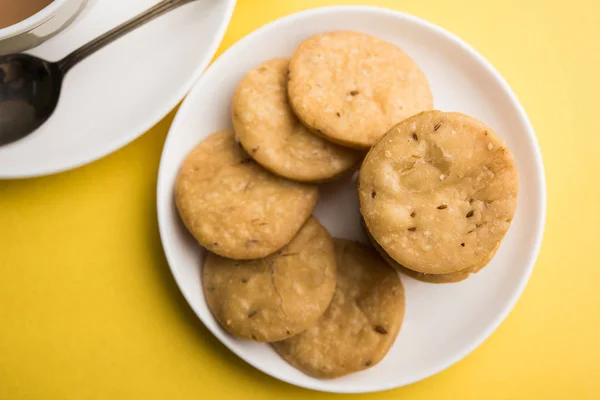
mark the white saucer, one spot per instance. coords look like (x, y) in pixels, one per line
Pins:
(120, 92)
(443, 323)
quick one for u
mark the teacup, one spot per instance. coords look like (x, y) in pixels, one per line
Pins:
(26, 24)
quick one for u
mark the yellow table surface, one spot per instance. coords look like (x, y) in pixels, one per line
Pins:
(89, 310)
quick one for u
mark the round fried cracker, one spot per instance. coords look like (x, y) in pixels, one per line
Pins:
(270, 132)
(361, 323)
(351, 87)
(278, 296)
(438, 192)
(234, 207)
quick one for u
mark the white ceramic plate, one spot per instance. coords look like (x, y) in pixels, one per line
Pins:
(123, 90)
(443, 323)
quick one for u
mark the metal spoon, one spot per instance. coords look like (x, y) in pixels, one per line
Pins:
(30, 86)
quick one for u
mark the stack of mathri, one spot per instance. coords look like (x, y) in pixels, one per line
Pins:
(273, 273)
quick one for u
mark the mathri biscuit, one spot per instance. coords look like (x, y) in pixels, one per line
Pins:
(361, 323)
(234, 207)
(351, 87)
(438, 192)
(275, 297)
(271, 134)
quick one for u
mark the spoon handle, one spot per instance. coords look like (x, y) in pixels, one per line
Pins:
(87, 49)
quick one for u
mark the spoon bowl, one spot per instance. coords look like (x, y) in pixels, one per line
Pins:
(29, 92)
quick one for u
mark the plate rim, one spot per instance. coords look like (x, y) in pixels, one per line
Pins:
(538, 169)
(147, 124)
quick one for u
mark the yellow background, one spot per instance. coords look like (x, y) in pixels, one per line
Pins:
(89, 310)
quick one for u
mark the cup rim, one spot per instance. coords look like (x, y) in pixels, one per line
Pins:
(33, 21)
